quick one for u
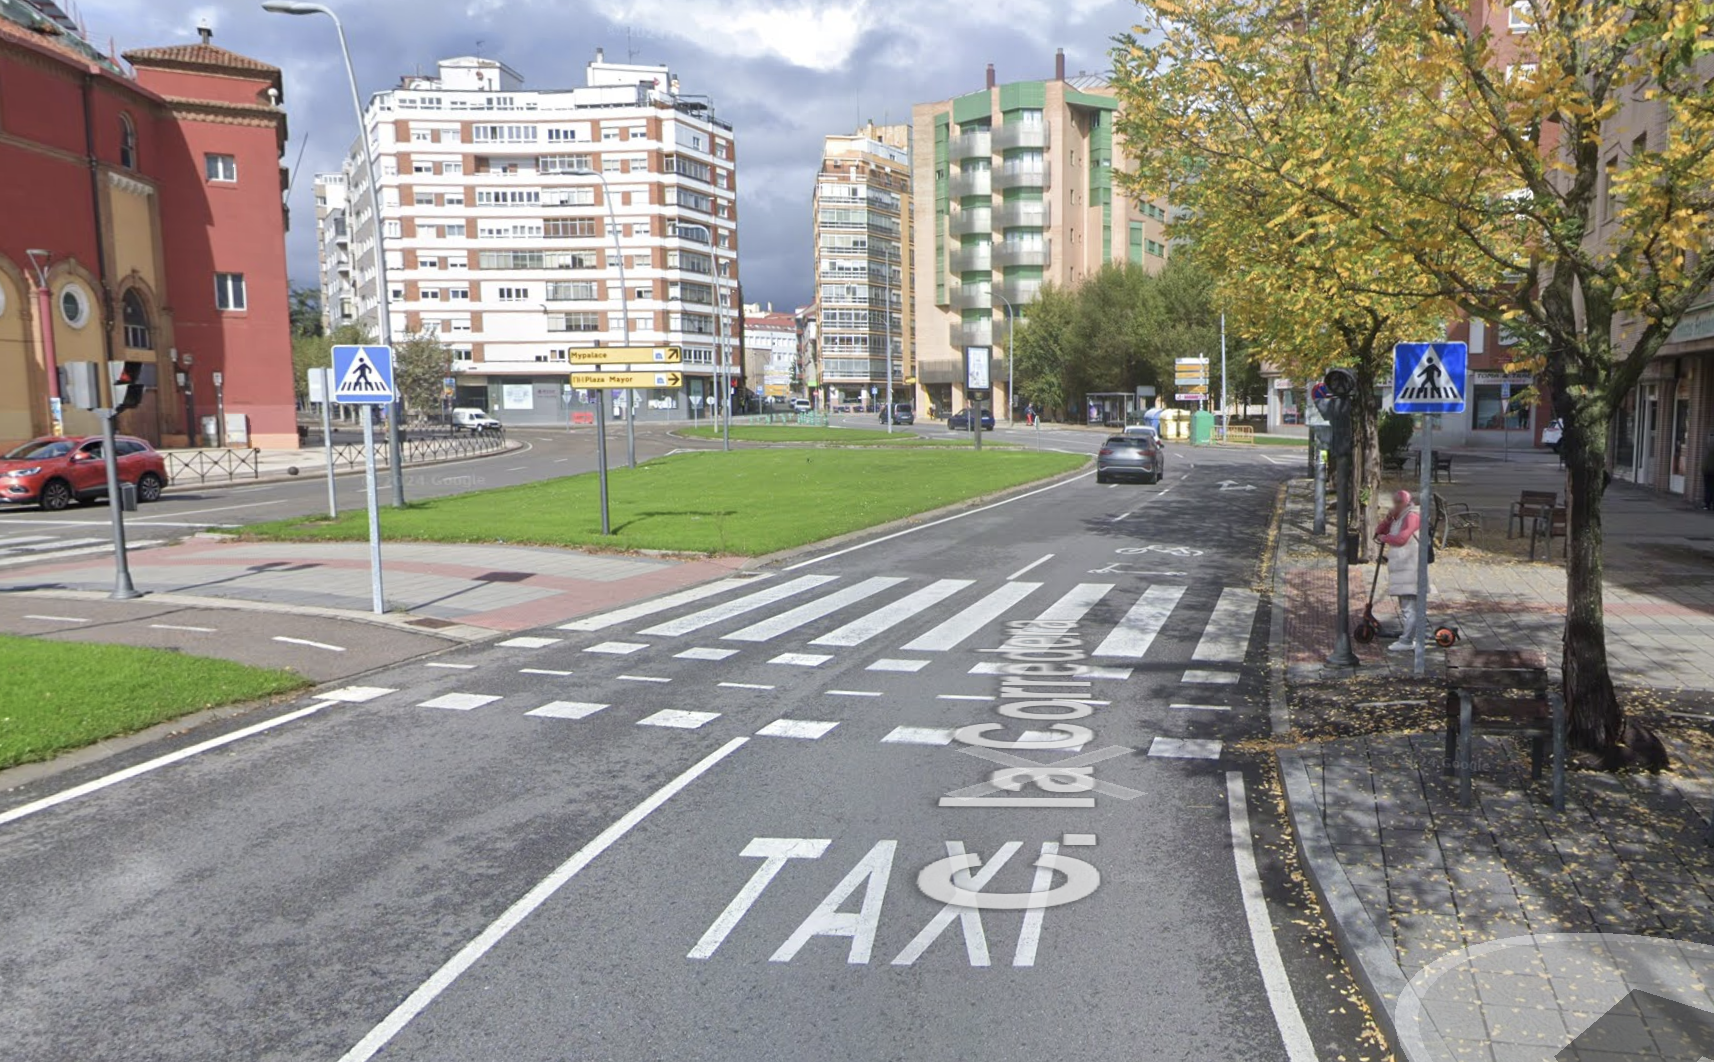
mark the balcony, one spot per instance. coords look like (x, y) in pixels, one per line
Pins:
(975, 182)
(969, 222)
(977, 259)
(1019, 135)
(970, 146)
(971, 334)
(1022, 177)
(1023, 214)
(1021, 292)
(975, 296)
(1016, 254)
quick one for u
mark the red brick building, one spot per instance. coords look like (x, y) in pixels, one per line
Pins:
(144, 221)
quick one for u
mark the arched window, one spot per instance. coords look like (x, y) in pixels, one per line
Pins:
(138, 335)
(127, 142)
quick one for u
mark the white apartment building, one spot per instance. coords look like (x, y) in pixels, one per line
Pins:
(770, 351)
(495, 210)
(333, 252)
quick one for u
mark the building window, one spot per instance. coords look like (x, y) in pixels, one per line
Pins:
(136, 317)
(512, 294)
(574, 322)
(222, 168)
(1495, 412)
(127, 142)
(429, 294)
(229, 291)
(575, 291)
(458, 294)
(1520, 19)
(74, 305)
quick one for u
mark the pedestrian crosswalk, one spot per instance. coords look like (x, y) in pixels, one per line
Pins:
(21, 549)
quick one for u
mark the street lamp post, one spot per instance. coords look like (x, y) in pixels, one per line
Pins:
(39, 260)
(384, 329)
(1011, 399)
(624, 311)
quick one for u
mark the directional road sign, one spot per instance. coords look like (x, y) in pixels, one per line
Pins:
(626, 356)
(1430, 377)
(593, 380)
(365, 375)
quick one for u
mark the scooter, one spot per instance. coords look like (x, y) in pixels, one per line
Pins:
(1369, 627)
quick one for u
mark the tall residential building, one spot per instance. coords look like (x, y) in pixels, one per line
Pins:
(1014, 190)
(862, 265)
(770, 351)
(333, 251)
(495, 204)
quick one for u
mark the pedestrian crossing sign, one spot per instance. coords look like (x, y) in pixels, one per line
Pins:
(365, 375)
(1430, 377)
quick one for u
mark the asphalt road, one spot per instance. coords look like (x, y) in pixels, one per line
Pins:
(709, 829)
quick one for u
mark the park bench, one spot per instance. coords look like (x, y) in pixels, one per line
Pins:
(1442, 463)
(1502, 691)
(1393, 462)
(1548, 523)
(1527, 508)
(1453, 516)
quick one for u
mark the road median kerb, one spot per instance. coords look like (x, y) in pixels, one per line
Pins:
(308, 472)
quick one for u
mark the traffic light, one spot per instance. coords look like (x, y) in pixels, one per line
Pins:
(130, 380)
(1339, 385)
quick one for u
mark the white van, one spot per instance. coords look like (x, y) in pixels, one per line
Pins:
(472, 419)
(802, 405)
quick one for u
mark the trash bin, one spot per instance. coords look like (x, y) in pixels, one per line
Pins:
(1173, 424)
(1201, 428)
(128, 497)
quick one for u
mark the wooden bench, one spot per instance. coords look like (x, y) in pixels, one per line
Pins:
(1527, 507)
(1442, 463)
(1393, 462)
(1548, 523)
(1506, 692)
(1453, 516)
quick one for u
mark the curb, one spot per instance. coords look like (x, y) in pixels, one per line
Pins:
(1279, 718)
(1360, 943)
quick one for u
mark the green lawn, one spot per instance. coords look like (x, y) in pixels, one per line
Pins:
(63, 695)
(747, 502)
(789, 433)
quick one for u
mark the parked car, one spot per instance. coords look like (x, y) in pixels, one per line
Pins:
(1130, 457)
(469, 418)
(902, 413)
(1552, 434)
(960, 421)
(802, 405)
(53, 472)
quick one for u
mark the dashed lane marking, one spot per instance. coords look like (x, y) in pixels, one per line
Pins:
(310, 644)
(1196, 677)
(1021, 572)
(566, 710)
(542, 671)
(853, 693)
(528, 642)
(705, 654)
(451, 667)
(181, 627)
(801, 659)
(58, 619)
(642, 678)
(890, 664)
(357, 694)
(918, 735)
(1185, 748)
(679, 719)
(1202, 707)
(746, 686)
(804, 729)
(459, 702)
(618, 648)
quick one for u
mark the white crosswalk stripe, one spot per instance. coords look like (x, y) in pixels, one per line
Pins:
(658, 605)
(1136, 632)
(35, 549)
(968, 621)
(1075, 604)
(726, 610)
(863, 628)
(784, 623)
(1227, 635)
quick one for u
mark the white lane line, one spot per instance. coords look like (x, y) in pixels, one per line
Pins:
(55, 544)
(970, 620)
(19, 540)
(1136, 632)
(98, 784)
(853, 693)
(223, 508)
(918, 735)
(452, 667)
(618, 648)
(357, 694)
(562, 460)
(1210, 678)
(963, 697)
(1202, 707)
(1115, 674)
(1299, 1047)
(1185, 748)
(804, 729)
(1227, 636)
(705, 654)
(483, 942)
(1020, 573)
(934, 523)
(679, 719)
(738, 607)
(659, 604)
(528, 642)
(863, 628)
(542, 671)
(516, 468)
(58, 619)
(890, 664)
(1075, 604)
(1121, 516)
(746, 685)
(790, 620)
(312, 645)
(566, 710)
(801, 659)
(642, 678)
(179, 627)
(459, 702)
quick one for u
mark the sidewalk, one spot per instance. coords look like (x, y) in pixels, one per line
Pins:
(1506, 931)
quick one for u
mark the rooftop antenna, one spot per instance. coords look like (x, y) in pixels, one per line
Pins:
(479, 43)
(630, 52)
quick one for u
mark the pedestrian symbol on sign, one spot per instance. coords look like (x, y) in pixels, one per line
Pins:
(365, 374)
(362, 378)
(1430, 383)
(1429, 377)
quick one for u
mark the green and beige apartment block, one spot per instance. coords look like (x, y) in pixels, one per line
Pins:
(1014, 189)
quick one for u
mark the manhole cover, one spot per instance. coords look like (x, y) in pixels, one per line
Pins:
(503, 577)
(430, 622)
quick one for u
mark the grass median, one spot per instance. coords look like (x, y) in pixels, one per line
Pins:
(63, 695)
(747, 502)
(795, 433)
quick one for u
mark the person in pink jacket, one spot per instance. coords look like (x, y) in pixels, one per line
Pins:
(1400, 532)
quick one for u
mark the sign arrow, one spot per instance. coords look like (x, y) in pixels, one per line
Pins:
(1232, 484)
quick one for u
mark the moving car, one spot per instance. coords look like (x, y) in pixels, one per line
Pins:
(1552, 434)
(902, 413)
(1143, 431)
(469, 418)
(960, 421)
(1130, 457)
(53, 472)
(802, 405)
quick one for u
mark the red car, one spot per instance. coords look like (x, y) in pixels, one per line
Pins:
(54, 472)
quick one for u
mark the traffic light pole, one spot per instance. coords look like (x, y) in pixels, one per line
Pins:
(1341, 385)
(123, 589)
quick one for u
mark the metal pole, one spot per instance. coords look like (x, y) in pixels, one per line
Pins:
(1011, 400)
(1320, 477)
(1225, 409)
(377, 599)
(1343, 655)
(1424, 535)
(123, 590)
(601, 450)
(219, 413)
(625, 312)
(327, 439)
(725, 399)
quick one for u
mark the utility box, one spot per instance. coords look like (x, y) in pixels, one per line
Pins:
(1201, 428)
(128, 497)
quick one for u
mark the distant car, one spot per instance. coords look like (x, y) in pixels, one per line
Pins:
(802, 405)
(1130, 457)
(902, 413)
(1144, 431)
(472, 419)
(960, 421)
(1552, 434)
(53, 472)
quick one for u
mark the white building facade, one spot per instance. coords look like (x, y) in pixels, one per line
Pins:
(770, 352)
(495, 216)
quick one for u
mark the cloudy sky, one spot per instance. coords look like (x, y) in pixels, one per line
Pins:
(784, 72)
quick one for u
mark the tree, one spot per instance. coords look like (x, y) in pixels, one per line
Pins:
(421, 365)
(316, 352)
(306, 312)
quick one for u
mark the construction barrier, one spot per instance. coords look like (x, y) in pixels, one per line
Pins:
(1241, 433)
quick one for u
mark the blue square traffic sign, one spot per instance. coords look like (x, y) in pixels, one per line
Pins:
(364, 375)
(1430, 377)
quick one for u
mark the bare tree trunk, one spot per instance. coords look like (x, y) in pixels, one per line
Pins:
(1366, 442)
(1597, 721)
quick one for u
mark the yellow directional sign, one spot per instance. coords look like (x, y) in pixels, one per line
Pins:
(625, 355)
(593, 380)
